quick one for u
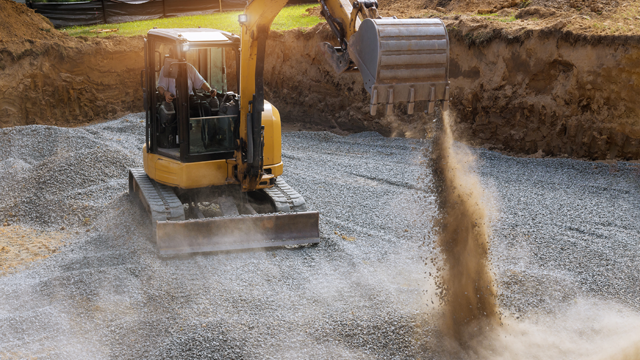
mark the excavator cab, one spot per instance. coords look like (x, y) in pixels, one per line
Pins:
(195, 126)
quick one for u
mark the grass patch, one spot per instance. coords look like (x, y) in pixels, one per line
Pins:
(508, 19)
(625, 20)
(497, 17)
(289, 18)
(492, 15)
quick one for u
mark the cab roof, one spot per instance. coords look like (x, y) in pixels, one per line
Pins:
(197, 36)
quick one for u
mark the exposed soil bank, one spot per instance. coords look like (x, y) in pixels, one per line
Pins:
(548, 91)
(524, 92)
(69, 81)
(47, 77)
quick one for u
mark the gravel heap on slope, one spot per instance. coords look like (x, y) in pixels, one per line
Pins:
(563, 230)
(52, 177)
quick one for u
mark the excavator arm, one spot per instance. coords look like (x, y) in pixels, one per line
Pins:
(256, 23)
(400, 60)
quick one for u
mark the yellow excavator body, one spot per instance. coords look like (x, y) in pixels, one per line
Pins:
(211, 179)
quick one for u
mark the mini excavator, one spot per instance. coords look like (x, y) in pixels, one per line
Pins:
(211, 177)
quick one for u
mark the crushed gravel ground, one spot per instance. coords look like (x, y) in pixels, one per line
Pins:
(565, 232)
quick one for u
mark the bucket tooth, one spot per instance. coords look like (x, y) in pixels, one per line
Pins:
(411, 103)
(432, 100)
(374, 102)
(390, 103)
(445, 106)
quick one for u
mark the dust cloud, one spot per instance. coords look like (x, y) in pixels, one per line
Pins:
(466, 288)
(586, 329)
(470, 320)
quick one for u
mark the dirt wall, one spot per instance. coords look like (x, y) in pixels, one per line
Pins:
(548, 91)
(69, 81)
(48, 77)
(306, 90)
(528, 92)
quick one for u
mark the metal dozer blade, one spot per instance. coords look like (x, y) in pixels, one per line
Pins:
(237, 233)
(402, 60)
(175, 233)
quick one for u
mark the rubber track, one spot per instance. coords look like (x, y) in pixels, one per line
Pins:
(161, 202)
(284, 198)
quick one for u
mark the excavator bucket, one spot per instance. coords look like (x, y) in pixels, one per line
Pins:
(402, 60)
(237, 233)
(176, 235)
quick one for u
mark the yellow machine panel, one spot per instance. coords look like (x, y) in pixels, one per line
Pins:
(272, 135)
(202, 174)
(185, 175)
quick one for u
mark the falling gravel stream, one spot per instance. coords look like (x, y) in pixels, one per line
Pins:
(565, 254)
(467, 289)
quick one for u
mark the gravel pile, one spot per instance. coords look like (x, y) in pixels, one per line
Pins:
(52, 177)
(562, 230)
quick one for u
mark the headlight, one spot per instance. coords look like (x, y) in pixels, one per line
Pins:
(185, 47)
(242, 19)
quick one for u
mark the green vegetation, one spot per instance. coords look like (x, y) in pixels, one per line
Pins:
(487, 15)
(289, 18)
(508, 19)
(497, 17)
